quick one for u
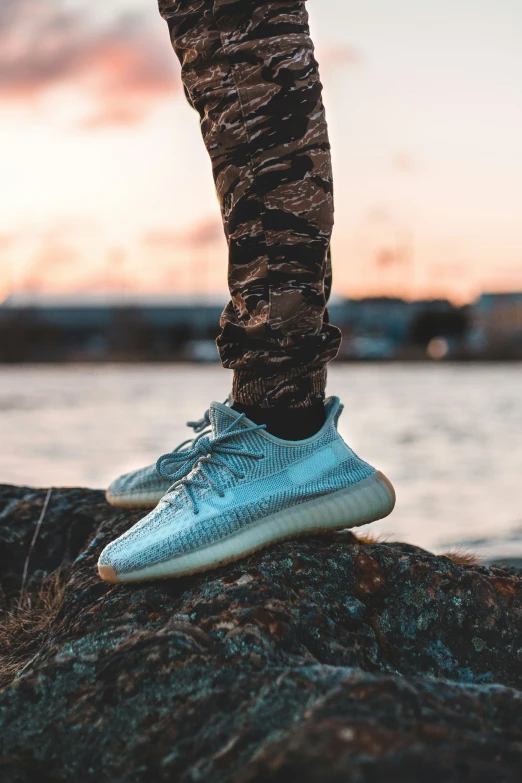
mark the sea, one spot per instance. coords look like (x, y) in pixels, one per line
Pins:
(449, 436)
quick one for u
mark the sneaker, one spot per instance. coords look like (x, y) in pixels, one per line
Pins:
(145, 487)
(246, 490)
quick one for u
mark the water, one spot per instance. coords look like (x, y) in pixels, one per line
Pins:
(448, 436)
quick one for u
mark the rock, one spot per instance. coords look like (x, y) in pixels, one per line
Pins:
(512, 565)
(325, 659)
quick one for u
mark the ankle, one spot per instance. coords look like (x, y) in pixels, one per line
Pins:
(286, 423)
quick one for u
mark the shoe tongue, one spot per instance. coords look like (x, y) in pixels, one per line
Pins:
(221, 417)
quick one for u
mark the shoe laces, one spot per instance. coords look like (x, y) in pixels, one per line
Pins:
(205, 452)
(201, 426)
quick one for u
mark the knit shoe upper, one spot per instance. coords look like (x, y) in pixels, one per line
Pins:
(246, 489)
(145, 487)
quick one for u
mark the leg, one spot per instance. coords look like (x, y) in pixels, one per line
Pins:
(248, 68)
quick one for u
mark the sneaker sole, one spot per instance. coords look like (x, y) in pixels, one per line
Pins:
(143, 501)
(362, 503)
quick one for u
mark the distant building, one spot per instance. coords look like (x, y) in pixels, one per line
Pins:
(74, 328)
(497, 324)
(98, 312)
(390, 327)
(154, 328)
(377, 316)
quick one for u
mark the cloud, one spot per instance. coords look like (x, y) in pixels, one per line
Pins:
(344, 54)
(6, 240)
(339, 55)
(389, 256)
(378, 213)
(404, 162)
(51, 259)
(122, 67)
(205, 232)
(41, 257)
(71, 255)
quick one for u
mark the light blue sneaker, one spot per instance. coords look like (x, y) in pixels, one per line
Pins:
(145, 487)
(247, 489)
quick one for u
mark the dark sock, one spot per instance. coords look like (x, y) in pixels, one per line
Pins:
(286, 423)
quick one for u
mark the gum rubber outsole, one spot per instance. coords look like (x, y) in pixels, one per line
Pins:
(367, 501)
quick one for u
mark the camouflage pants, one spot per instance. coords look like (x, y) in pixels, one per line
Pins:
(248, 68)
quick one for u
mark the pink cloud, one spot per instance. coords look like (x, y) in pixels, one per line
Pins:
(6, 241)
(205, 232)
(339, 56)
(404, 162)
(122, 67)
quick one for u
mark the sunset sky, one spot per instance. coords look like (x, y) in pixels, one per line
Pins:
(105, 185)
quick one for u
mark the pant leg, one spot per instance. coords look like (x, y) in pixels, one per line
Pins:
(248, 68)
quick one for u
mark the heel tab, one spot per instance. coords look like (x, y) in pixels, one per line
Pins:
(334, 408)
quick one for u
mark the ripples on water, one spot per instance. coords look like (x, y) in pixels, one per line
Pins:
(448, 436)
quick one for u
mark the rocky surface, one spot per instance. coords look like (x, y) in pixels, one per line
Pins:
(325, 659)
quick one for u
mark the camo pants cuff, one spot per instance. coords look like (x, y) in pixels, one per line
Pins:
(293, 389)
